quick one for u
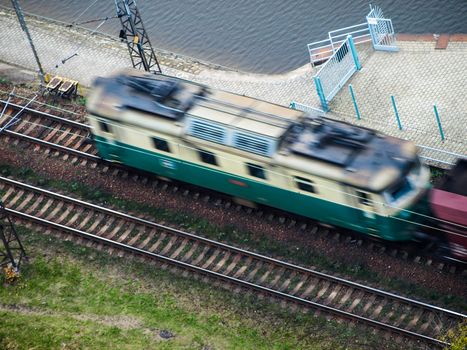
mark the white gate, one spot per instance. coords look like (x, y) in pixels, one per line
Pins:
(336, 71)
(381, 30)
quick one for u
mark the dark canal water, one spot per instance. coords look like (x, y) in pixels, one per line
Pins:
(267, 36)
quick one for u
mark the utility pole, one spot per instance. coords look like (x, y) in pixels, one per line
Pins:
(13, 251)
(133, 32)
(22, 22)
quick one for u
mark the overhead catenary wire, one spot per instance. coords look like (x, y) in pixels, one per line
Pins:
(92, 20)
(15, 118)
(83, 12)
(436, 160)
(74, 51)
(321, 186)
(13, 94)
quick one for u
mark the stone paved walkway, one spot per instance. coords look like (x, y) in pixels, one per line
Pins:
(418, 76)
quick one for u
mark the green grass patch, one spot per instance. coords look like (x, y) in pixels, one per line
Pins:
(74, 297)
(65, 332)
(263, 244)
(436, 174)
(80, 100)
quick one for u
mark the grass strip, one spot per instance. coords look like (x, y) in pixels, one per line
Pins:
(74, 297)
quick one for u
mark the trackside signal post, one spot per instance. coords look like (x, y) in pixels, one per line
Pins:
(11, 251)
(133, 32)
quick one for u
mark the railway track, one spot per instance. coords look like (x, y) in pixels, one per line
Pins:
(49, 130)
(68, 137)
(231, 265)
(37, 105)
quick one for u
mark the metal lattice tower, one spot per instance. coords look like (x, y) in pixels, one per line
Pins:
(13, 252)
(133, 32)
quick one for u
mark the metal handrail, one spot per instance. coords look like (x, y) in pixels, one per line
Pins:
(345, 28)
(323, 49)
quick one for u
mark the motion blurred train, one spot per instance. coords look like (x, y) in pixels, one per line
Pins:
(261, 153)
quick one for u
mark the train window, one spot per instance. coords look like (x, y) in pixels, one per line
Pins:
(400, 190)
(160, 144)
(305, 184)
(256, 170)
(363, 198)
(207, 157)
(104, 126)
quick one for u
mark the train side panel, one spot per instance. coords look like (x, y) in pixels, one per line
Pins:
(329, 205)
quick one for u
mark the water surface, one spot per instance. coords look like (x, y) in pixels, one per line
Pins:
(267, 36)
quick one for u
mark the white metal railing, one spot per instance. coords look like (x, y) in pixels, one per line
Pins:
(313, 111)
(430, 155)
(376, 29)
(321, 51)
(381, 30)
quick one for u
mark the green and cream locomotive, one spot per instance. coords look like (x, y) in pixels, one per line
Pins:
(260, 152)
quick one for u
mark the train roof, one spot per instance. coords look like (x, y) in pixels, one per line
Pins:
(245, 113)
(333, 149)
(354, 155)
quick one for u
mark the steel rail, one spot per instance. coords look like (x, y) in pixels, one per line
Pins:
(236, 249)
(91, 156)
(54, 145)
(234, 280)
(47, 143)
(47, 115)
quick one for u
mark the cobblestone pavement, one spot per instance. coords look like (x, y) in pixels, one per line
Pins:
(418, 76)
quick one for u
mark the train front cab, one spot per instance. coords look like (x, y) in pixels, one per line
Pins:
(397, 212)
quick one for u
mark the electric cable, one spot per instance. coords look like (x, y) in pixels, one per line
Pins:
(83, 12)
